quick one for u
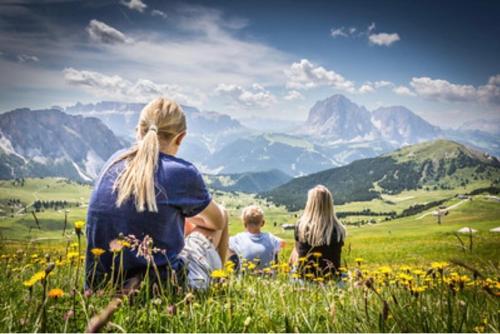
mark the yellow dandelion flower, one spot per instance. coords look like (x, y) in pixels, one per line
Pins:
(79, 224)
(72, 255)
(251, 266)
(29, 283)
(316, 254)
(319, 279)
(418, 272)
(439, 265)
(359, 260)
(385, 270)
(97, 251)
(55, 293)
(219, 273)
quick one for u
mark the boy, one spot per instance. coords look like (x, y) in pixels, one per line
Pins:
(254, 245)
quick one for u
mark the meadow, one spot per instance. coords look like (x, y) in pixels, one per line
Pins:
(404, 275)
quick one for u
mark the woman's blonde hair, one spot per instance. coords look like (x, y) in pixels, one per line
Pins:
(317, 223)
(160, 120)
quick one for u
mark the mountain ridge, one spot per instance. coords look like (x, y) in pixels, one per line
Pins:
(439, 163)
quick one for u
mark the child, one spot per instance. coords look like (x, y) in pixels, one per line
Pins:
(254, 245)
(319, 236)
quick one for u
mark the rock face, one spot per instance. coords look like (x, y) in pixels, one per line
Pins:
(339, 119)
(401, 126)
(52, 143)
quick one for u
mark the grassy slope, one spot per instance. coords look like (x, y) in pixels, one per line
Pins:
(398, 241)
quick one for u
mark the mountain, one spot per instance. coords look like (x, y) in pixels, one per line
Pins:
(439, 163)
(401, 126)
(207, 131)
(122, 117)
(248, 182)
(337, 118)
(50, 142)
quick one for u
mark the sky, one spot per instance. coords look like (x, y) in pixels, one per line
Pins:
(270, 59)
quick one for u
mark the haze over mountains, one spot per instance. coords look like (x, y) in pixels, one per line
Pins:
(337, 132)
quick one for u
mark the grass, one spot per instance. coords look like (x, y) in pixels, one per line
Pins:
(399, 277)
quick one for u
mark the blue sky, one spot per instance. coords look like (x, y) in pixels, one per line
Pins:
(255, 58)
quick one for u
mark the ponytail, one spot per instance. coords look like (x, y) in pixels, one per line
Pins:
(137, 179)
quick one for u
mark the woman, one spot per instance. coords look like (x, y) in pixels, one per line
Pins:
(319, 236)
(147, 191)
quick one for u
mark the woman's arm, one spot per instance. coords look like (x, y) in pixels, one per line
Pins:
(294, 256)
(213, 217)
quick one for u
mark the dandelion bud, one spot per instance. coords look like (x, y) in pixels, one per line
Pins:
(172, 309)
(49, 268)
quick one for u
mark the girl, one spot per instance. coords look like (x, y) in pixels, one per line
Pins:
(147, 191)
(319, 236)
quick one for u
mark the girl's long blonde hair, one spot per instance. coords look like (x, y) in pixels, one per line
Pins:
(160, 120)
(318, 221)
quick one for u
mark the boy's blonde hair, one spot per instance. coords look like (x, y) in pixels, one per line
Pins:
(252, 215)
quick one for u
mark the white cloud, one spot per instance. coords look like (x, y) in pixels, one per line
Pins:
(305, 75)
(137, 5)
(257, 97)
(383, 39)
(403, 90)
(443, 90)
(369, 87)
(437, 89)
(157, 12)
(116, 87)
(103, 33)
(293, 95)
(27, 59)
(339, 32)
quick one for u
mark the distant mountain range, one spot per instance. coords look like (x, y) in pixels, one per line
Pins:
(248, 182)
(440, 164)
(336, 132)
(52, 143)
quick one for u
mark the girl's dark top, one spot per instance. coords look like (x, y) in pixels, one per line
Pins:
(180, 193)
(310, 262)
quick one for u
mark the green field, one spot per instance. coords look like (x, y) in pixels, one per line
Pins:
(401, 275)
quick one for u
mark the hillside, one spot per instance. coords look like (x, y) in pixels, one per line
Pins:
(248, 182)
(439, 164)
(40, 143)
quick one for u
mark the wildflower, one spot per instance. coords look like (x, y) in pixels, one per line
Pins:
(219, 273)
(171, 309)
(405, 268)
(251, 266)
(359, 260)
(55, 293)
(385, 270)
(319, 279)
(79, 224)
(418, 272)
(72, 255)
(316, 254)
(294, 275)
(97, 251)
(39, 276)
(115, 246)
(439, 265)
(29, 283)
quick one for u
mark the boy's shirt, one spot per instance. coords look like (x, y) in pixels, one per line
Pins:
(262, 246)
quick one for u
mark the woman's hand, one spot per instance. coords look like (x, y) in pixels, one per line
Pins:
(294, 257)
